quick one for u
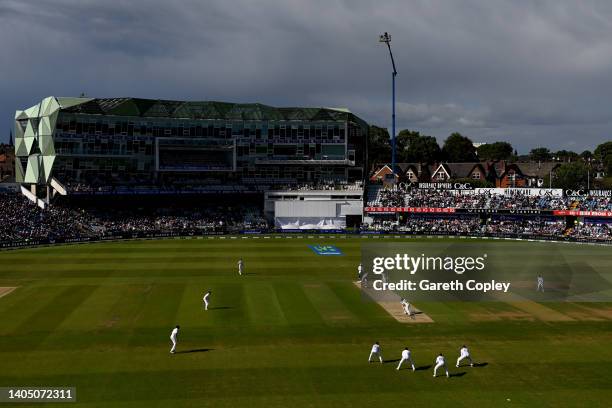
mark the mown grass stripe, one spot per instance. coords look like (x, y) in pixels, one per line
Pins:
(296, 307)
(333, 310)
(364, 308)
(93, 313)
(262, 305)
(46, 320)
(161, 305)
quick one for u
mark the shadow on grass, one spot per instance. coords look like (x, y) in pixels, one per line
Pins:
(425, 367)
(220, 308)
(481, 364)
(202, 350)
(392, 361)
(461, 374)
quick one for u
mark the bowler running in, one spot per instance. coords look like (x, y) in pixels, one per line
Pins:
(407, 308)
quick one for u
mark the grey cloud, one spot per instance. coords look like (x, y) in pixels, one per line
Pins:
(531, 72)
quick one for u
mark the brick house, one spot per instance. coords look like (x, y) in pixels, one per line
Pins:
(452, 171)
(410, 172)
(525, 174)
(7, 163)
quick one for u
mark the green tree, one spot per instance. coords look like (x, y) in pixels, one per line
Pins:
(566, 156)
(495, 151)
(603, 150)
(540, 154)
(379, 148)
(607, 164)
(586, 155)
(414, 147)
(603, 154)
(571, 175)
(606, 183)
(458, 149)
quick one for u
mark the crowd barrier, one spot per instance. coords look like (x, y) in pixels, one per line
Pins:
(160, 235)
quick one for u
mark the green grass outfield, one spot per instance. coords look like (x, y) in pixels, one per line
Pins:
(293, 332)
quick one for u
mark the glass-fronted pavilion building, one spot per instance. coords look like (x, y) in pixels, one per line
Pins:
(131, 141)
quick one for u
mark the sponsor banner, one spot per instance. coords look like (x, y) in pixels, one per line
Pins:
(502, 211)
(46, 242)
(428, 210)
(600, 193)
(587, 193)
(438, 186)
(580, 213)
(310, 231)
(531, 192)
(419, 210)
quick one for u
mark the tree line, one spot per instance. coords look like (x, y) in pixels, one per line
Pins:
(576, 170)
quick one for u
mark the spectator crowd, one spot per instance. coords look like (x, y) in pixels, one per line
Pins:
(21, 220)
(399, 197)
(503, 226)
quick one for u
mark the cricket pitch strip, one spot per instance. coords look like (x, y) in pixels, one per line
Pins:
(394, 308)
(6, 290)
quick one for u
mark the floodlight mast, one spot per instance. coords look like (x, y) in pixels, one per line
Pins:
(386, 38)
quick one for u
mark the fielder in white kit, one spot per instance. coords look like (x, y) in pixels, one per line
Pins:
(463, 354)
(440, 363)
(173, 338)
(540, 284)
(406, 357)
(240, 266)
(206, 299)
(376, 352)
(359, 272)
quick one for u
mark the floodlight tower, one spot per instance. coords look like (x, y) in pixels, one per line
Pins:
(386, 38)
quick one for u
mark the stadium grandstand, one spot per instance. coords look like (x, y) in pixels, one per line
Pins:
(158, 143)
(70, 148)
(95, 169)
(459, 209)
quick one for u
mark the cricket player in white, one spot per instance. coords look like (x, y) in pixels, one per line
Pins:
(406, 307)
(406, 357)
(463, 354)
(376, 352)
(359, 272)
(206, 299)
(540, 284)
(240, 266)
(173, 338)
(440, 362)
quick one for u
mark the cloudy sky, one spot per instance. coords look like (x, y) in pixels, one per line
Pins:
(529, 72)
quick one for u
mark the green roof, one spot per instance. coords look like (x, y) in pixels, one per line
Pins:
(159, 108)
